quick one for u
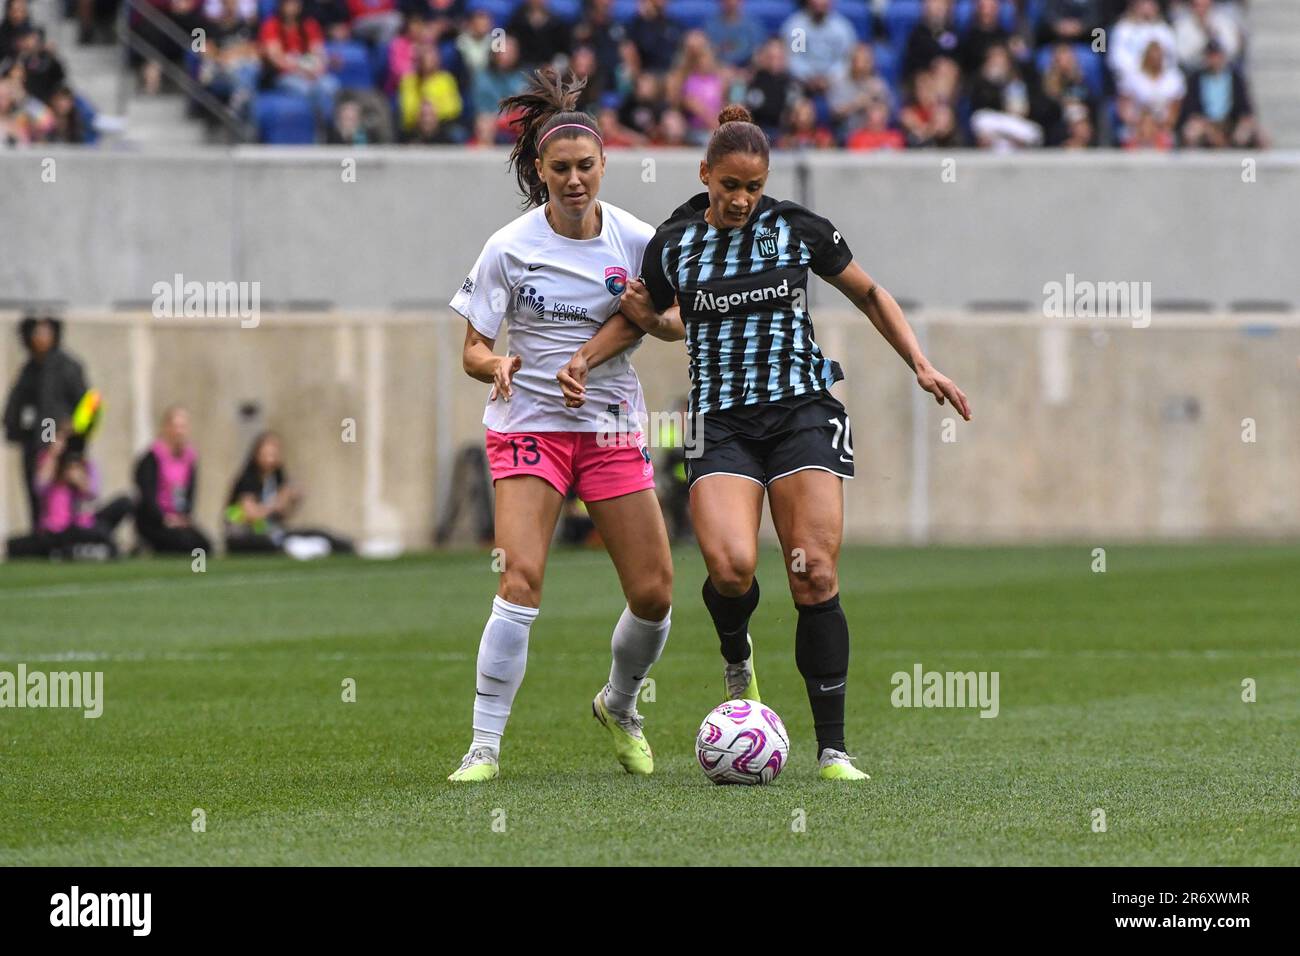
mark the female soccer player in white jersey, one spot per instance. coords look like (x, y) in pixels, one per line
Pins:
(737, 263)
(554, 275)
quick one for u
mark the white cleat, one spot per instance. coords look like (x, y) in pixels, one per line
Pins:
(837, 765)
(477, 765)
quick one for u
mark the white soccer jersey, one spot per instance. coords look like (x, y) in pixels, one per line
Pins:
(556, 292)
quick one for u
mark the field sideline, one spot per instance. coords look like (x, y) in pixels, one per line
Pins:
(1120, 691)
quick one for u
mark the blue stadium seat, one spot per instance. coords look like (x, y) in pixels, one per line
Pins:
(964, 12)
(900, 18)
(284, 119)
(1034, 13)
(770, 13)
(350, 63)
(500, 10)
(570, 11)
(889, 64)
(624, 10)
(87, 112)
(379, 64)
(1092, 64)
(691, 14)
(859, 14)
(266, 8)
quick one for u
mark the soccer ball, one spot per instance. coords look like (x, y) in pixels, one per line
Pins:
(742, 741)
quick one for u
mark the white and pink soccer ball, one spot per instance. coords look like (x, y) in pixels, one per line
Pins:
(742, 741)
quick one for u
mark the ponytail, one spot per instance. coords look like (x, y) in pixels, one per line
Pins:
(547, 104)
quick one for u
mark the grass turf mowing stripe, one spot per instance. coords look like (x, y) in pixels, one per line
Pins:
(1119, 691)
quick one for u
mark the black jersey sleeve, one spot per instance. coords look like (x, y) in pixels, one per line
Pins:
(656, 280)
(829, 252)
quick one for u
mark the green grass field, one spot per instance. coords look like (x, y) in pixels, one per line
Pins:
(1120, 691)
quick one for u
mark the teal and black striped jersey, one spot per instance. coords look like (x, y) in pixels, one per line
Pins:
(743, 294)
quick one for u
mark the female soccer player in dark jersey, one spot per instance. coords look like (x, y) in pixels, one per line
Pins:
(736, 263)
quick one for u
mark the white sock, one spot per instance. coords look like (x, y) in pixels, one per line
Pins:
(502, 657)
(637, 644)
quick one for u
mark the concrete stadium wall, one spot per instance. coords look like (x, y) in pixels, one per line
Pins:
(1084, 430)
(945, 231)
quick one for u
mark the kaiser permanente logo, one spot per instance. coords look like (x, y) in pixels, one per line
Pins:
(78, 690)
(706, 301)
(103, 909)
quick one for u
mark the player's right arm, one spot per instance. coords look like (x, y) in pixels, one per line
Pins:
(480, 363)
(483, 300)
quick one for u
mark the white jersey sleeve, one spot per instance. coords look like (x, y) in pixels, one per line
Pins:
(485, 296)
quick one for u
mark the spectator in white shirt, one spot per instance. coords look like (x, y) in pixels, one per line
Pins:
(819, 54)
(1196, 24)
(1156, 90)
(1140, 26)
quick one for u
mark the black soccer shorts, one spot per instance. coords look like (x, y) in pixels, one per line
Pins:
(768, 441)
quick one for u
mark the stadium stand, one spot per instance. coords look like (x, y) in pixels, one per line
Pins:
(855, 74)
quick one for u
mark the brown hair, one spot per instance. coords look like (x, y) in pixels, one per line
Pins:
(547, 103)
(736, 133)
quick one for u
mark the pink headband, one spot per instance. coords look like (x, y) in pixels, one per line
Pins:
(585, 129)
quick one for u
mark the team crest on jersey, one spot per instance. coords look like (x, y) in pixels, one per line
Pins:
(529, 298)
(765, 242)
(615, 279)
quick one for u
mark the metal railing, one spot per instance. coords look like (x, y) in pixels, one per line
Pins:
(237, 128)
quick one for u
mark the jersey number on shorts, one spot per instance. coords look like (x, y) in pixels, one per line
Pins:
(842, 428)
(531, 455)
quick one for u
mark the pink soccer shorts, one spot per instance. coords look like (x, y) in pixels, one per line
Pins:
(596, 465)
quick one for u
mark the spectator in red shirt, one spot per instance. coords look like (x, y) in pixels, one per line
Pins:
(802, 131)
(375, 21)
(293, 57)
(875, 133)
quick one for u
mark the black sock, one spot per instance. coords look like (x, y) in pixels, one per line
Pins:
(731, 618)
(821, 649)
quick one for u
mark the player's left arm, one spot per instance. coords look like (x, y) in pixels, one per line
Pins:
(875, 302)
(616, 336)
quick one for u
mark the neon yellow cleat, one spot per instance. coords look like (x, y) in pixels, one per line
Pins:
(835, 765)
(630, 746)
(739, 678)
(478, 765)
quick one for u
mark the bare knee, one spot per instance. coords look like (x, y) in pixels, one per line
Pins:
(732, 571)
(652, 597)
(521, 584)
(813, 578)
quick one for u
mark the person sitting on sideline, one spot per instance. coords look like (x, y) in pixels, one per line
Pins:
(165, 477)
(262, 501)
(70, 527)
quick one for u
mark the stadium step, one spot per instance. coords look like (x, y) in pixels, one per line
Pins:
(1277, 16)
(1281, 120)
(162, 120)
(1274, 67)
(1277, 83)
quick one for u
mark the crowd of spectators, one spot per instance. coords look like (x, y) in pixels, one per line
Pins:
(816, 74)
(37, 105)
